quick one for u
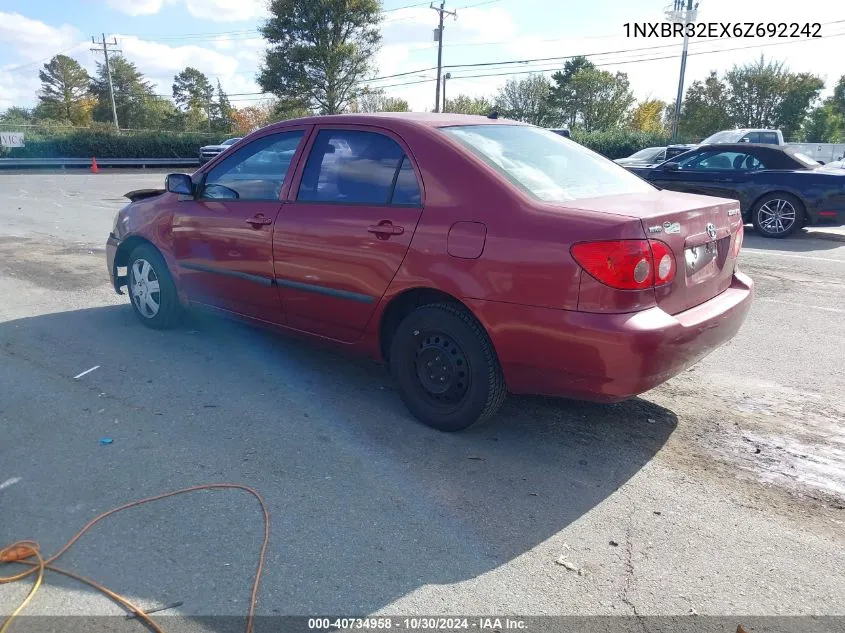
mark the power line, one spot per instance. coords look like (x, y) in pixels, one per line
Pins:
(612, 62)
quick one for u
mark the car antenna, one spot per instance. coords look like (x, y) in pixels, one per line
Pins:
(493, 115)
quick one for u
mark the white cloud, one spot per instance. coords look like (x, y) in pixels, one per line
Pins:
(136, 7)
(33, 39)
(216, 10)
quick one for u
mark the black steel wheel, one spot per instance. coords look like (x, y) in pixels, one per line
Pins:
(445, 368)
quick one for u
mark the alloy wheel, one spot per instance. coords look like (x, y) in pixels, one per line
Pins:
(777, 216)
(145, 289)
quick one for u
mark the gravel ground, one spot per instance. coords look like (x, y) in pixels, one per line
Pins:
(721, 492)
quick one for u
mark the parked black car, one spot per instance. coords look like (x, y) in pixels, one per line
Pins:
(779, 189)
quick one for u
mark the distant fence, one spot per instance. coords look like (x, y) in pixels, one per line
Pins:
(63, 163)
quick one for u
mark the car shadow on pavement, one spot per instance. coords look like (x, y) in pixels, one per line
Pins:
(802, 241)
(367, 505)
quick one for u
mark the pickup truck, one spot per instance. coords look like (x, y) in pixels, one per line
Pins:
(820, 152)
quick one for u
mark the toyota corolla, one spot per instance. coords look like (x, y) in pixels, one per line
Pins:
(475, 256)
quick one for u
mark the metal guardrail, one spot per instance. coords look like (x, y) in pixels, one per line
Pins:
(17, 163)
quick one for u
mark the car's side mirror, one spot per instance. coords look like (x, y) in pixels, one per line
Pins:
(179, 183)
(673, 166)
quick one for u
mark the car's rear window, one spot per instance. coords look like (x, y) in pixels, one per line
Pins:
(546, 165)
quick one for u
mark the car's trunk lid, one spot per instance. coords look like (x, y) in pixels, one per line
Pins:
(700, 230)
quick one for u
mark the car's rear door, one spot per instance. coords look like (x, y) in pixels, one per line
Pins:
(223, 237)
(346, 228)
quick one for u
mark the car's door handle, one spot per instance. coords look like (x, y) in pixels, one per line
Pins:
(259, 220)
(386, 228)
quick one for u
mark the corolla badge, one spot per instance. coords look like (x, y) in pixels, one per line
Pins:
(672, 227)
(711, 230)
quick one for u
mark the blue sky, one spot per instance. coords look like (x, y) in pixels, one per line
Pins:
(218, 36)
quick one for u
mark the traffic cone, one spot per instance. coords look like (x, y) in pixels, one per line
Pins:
(94, 168)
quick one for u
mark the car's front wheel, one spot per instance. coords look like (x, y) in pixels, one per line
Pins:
(445, 368)
(777, 215)
(151, 289)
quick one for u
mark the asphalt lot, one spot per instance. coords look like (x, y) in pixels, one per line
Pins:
(721, 492)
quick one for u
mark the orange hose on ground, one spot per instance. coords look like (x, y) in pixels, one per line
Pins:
(22, 551)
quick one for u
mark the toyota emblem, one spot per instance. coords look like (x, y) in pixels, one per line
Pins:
(711, 230)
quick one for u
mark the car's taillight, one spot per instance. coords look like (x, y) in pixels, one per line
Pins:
(740, 234)
(664, 262)
(627, 264)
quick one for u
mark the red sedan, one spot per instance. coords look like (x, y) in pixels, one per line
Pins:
(474, 255)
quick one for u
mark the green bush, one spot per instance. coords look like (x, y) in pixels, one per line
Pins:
(105, 143)
(619, 143)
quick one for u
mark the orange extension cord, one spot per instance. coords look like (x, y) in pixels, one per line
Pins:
(22, 551)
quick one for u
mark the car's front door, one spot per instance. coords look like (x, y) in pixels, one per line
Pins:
(712, 172)
(223, 236)
(345, 230)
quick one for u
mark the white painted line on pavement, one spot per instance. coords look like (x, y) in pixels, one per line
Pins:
(87, 371)
(9, 482)
(802, 306)
(780, 254)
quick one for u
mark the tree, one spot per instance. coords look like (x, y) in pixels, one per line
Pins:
(64, 89)
(251, 118)
(17, 115)
(648, 116)
(562, 97)
(801, 91)
(464, 104)
(823, 125)
(766, 95)
(374, 100)
(526, 100)
(704, 110)
(600, 99)
(319, 50)
(132, 94)
(837, 101)
(286, 109)
(193, 93)
(223, 111)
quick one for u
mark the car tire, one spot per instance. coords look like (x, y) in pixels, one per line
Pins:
(151, 289)
(446, 370)
(777, 215)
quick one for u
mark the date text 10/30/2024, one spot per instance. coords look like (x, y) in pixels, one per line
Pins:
(418, 623)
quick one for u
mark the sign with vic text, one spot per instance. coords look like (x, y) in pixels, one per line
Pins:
(11, 139)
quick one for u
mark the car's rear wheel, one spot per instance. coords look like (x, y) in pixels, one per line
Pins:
(151, 289)
(777, 215)
(445, 368)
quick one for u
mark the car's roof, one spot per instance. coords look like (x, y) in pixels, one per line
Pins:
(741, 146)
(422, 119)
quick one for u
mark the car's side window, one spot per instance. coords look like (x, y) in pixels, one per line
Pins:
(407, 189)
(769, 137)
(356, 167)
(254, 172)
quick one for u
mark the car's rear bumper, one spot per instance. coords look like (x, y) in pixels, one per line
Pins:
(112, 246)
(608, 357)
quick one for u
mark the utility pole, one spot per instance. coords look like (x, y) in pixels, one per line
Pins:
(445, 77)
(686, 16)
(438, 37)
(105, 51)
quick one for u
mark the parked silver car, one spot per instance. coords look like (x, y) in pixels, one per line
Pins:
(207, 152)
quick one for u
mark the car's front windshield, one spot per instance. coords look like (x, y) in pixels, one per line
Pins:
(806, 160)
(230, 141)
(649, 153)
(545, 165)
(721, 137)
